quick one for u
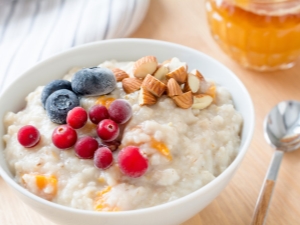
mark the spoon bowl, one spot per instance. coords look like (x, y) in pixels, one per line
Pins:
(282, 132)
(282, 126)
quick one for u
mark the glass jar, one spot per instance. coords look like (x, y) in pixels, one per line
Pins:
(263, 35)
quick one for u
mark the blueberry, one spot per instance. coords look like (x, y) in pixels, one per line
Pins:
(59, 103)
(54, 86)
(93, 81)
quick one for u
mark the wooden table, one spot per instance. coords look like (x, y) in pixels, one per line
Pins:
(184, 22)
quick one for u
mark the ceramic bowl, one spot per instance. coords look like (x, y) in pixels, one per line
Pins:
(174, 212)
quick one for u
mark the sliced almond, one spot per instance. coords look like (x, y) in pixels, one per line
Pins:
(161, 72)
(184, 101)
(146, 98)
(155, 86)
(201, 101)
(179, 74)
(173, 88)
(120, 74)
(144, 66)
(131, 84)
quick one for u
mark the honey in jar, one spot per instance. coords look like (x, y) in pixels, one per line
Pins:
(262, 35)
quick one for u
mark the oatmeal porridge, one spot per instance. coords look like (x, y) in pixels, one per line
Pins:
(176, 132)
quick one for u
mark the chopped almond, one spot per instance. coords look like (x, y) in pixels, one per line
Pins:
(155, 86)
(173, 88)
(179, 74)
(184, 101)
(119, 74)
(146, 98)
(144, 66)
(131, 84)
(201, 101)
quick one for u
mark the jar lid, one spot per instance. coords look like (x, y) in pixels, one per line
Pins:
(267, 7)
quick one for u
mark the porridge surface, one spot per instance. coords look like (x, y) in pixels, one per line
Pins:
(186, 149)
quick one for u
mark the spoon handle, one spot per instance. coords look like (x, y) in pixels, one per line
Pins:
(265, 194)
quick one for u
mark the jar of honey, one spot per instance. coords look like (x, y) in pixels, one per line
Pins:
(263, 35)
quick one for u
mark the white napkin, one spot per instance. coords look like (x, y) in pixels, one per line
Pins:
(32, 30)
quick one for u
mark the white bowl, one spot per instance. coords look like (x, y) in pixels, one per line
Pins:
(175, 212)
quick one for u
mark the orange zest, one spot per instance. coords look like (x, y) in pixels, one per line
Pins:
(162, 148)
(101, 205)
(43, 181)
(104, 100)
(212, 91)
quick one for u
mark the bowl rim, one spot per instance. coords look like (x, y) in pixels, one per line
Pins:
(229, 170)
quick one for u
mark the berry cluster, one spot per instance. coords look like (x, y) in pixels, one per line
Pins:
(61, 99)
(65, 136)
(131, 162)
(61, 96)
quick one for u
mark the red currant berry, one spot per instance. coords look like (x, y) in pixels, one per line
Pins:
(98, 113)
(85, 147)
(108, 130)
(132, 163)
(120, 111)
(64, 137)
(103, 158)
(77, 117)
(28, 136)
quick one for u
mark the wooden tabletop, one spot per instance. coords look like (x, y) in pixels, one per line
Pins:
(184, 22)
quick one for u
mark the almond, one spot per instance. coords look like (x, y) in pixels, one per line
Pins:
(186, 87)
(184, 101)
(201, 101)
(179, 74)
(178, 70)
(192, 83)
(161, 72)
(131, 84)
(144, 66)
(198, 74)
(173, 88)
(146, 98)
(155, 86)
(119, 74)
(204, 85)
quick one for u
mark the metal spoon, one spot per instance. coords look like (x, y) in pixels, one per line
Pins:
(282, 132)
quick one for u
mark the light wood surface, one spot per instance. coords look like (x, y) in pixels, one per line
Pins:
(184, 22)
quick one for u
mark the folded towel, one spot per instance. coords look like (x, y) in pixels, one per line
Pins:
(32, 30)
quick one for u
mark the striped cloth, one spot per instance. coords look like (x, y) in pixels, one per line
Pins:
(32, 30)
